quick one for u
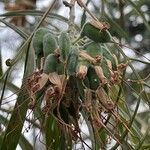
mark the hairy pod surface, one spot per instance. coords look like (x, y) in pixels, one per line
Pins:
(49, 44)
(60, 68)
(50, 64)
(38, 40)
(94, 49)
(95, 34)
(105, 68)
(64, 45)
(72, 61)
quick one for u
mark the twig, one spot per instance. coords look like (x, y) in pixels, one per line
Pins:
(23, 49)
(4, 87)
(144, 62)
(81, 4)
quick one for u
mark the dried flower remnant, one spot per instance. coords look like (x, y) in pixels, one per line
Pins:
(82, 71)
(121, 67)
(109, 64)
(86, 56)
(98, 58)
(55, 79)
(96, 115)
(34, 84)
(102, 26)
(100, 75)
(88, 100)
(116, 78)
(104, 99)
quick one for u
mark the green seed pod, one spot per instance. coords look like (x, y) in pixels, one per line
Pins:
(49, 44)
(50, 64)
(94, 49)
(93, 78)
(64, 45)
(38, 40)
(72, 61)
(95, 34)
(105, 68)
(60, 68)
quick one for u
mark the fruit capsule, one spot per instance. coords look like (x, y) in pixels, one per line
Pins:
(64, 45)
(94, 33)
(37, 40)
(49, 44)
(72, 61)
(94, 49)
(50, 64)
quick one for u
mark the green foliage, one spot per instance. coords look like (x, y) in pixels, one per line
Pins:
(94, 49)
(38, 40)
(49, 44)
(64, 45)
(72, 61)
(80, 75)
(50, 64)
(95, 34)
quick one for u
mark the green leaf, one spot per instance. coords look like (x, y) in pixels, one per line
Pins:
(53, 135)
(23, 142)
(143, 139)
(1, 69)
(4, 86)
(14, 128)
(116, 27)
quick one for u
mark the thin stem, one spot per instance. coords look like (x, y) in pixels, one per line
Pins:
(139, 146)
(102, 8)
(4, 86)
(23, 49)
(131, 48)
(87, 10)
(121, 19)
(137, 105)
(144, 62)
(130, 124)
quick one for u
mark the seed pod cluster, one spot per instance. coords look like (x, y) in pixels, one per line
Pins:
(70, 73)
(59, 60)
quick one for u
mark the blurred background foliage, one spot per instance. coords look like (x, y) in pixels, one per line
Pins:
(130, 26)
